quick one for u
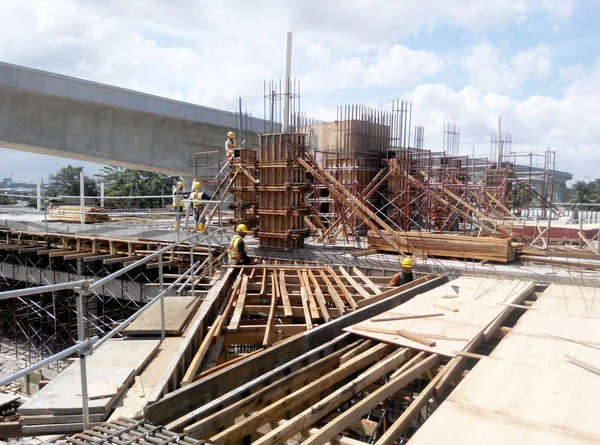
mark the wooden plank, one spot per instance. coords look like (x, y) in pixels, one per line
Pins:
(403, 422)
(312, 304)
(343, 288)
(38, 430)
(235, 433)
(376, 290)
(408, 372)
(445, 307)
(260, 398)
(266, 339)
(199, 356)
(327, 404)
(178, 311)
(307, 316)
(320, 297)
(285, 298)
(239, 306)
(335, 296)
(355, 284)
(390, 316)
(111, 368)
(133, 401)
(51, 419)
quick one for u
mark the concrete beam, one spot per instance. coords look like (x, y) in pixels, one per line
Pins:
(57, 115)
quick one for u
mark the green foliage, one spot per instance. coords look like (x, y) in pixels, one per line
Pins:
(583, 193)
(7, 200)
(65, 182)
(128, 182)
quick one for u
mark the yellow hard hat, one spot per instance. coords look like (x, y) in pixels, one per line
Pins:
(241, 228)
(179, 184)
(231, 135)
(407, 262)
(197, 185)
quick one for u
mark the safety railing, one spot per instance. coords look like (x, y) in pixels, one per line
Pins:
(83, 288)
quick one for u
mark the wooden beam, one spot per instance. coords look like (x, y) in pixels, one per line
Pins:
(199, 356)
(390, 316)
(327, 404)
(260, 398)
(307, 316)
(320, 297)
(343, 288)
(355, 284)
(366, 279)
(312, 304)
(335, 297)
(410, 371)
(266, 341)
(285, 298)
(403, 422)
(235, 433)
(239, 306)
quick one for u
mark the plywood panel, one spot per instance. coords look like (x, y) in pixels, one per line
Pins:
(477, 304)
(110, 369)
(528, 392)
(178, 310)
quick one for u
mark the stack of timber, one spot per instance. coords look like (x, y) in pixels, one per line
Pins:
(244, 179)
(449, 246)
(539, 386)
(73, 214)
(282, 189)
(57, 407)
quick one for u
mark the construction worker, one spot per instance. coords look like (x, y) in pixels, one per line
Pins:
(197, 197)
(230, 146)
(178, 204)
(405, 275)
(237, 250)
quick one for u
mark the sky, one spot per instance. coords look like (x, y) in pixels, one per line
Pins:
(535, 63)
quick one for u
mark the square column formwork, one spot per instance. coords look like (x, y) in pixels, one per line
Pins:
(282, 191)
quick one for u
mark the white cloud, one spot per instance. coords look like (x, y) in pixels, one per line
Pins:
(490, 70)
(211, 53)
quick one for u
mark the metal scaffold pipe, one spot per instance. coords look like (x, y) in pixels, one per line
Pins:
(42, 289)
(287, 79)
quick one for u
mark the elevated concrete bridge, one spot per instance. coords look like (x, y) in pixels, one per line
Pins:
(57, 115)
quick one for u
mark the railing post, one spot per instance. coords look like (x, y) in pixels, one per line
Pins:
(209, 258)
(193, 271)
(162, 296)
(45, 206)
(102, 194)
(82, 362)
(82, 195)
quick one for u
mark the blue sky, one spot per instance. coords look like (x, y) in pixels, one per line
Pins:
(536, 63)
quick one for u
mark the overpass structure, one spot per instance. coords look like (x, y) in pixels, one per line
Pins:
(52, 114)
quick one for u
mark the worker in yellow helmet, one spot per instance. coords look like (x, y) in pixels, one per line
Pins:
(178, 203)
(405, 275)
(230, 146)
(236, 251)
(197, 197)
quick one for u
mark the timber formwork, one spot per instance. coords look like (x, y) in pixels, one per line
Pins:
(244, 179)
(282, 190)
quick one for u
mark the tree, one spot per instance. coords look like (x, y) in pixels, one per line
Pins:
(582, 193)
(66, 182)
(129, 182)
